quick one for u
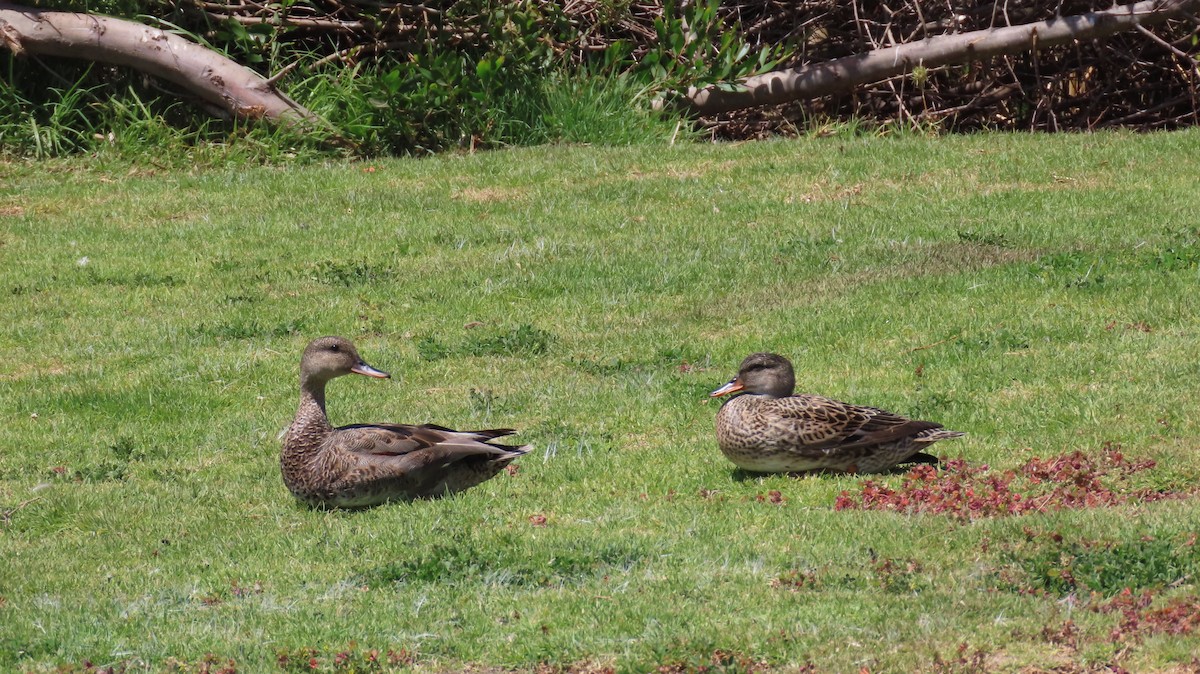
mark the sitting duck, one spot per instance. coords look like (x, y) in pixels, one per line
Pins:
(770, 429)
(364, 465)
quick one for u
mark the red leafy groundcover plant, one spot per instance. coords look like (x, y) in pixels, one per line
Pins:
(963, 491)
(1179, 616)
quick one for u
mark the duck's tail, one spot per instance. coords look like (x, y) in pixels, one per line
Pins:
(935, 434)
(488, 437)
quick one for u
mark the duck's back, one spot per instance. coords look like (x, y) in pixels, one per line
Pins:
(808, 432)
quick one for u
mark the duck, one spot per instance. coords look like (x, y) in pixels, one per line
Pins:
(769, 428)
(363, 465)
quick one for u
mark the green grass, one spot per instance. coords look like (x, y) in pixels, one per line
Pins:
(1038, 292)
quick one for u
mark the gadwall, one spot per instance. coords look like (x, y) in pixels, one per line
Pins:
(767, 429)
(367, 464)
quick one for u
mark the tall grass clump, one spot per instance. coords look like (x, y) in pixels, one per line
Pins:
(82, 114)
(597, 108)
(395, 110)
(55, 124)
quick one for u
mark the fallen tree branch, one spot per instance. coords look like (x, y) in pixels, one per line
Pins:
(843, 74)
(1165, 45)
(298, 22)
(1148, 111)
(239, 91)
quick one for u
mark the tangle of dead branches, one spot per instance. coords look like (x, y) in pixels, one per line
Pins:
(1144, 79)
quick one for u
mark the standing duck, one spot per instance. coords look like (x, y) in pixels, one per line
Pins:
(767, 429)
(367, 464)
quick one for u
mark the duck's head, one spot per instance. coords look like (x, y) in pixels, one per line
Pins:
(766, 374)
(330, 357)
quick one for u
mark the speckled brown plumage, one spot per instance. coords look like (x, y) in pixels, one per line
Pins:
(769, 429)
(367, 464)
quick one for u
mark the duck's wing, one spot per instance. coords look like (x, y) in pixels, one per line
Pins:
(824, 424)
(397, 440)
(405, 462)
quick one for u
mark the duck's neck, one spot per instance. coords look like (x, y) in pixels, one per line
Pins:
(311, 425)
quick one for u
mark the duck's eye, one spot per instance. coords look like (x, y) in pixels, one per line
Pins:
(334, 347)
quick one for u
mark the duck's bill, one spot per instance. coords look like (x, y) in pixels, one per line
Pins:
(364, 369)
(732, 387)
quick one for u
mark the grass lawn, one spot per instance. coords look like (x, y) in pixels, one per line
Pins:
(1041, 293)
